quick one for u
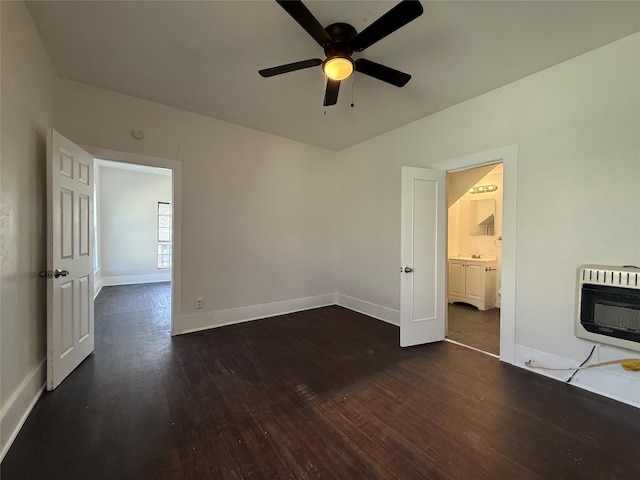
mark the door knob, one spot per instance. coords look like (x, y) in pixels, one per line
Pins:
(408, 270)
(60, 273)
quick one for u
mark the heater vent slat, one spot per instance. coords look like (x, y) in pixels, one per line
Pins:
(615, 278)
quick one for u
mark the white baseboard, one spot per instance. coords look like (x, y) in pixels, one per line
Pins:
(97, 286)
(385, 314)
(203, 321)
(97, 283)
(14, 413)
(610, 381)
(219, 318)
(112, 280)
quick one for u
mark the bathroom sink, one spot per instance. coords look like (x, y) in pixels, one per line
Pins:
(469, 258)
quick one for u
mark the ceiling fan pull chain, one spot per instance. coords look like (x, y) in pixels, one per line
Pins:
(324, 86)
(353, 79)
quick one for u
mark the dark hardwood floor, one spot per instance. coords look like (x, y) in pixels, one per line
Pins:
(473, 327)
(325, 393)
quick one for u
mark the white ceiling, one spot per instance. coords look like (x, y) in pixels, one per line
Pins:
(203, 56)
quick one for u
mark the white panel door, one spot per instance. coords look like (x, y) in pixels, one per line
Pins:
(70, 335)
(423, 256)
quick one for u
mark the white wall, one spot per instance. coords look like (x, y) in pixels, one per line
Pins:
(27, 112)
(128, 225)
(578, 199)
(258, 226)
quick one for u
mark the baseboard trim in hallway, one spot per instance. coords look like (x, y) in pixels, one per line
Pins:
(20, 405)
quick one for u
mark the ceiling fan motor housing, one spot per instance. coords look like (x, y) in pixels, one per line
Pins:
(341, 34)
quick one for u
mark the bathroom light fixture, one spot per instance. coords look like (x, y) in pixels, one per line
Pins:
(338, 68)
(483, 189)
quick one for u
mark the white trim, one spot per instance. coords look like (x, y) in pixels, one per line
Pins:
(219, 318)
(472, 348)
(376, 311)
(176, 167)
(133, 167)
(609, 381)
(97, 282)
(16, 410)
(134, 279)
(508, 155)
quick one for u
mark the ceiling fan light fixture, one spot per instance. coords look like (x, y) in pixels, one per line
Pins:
(339, 40)
(338, 68)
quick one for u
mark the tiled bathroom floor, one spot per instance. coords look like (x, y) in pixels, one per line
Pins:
(475, 328)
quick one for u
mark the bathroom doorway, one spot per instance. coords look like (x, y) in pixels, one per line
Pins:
(474, 242)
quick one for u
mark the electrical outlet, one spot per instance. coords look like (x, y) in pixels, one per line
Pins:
(199, 303)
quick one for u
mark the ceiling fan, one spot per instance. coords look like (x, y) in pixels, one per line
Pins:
(340, 40)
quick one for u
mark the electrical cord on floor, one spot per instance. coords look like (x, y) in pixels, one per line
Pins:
(593, 349)
(629, 364)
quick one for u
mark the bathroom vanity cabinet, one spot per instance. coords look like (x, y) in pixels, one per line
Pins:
(473, 281)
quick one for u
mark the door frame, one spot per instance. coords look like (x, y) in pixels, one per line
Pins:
(176, 185)
(508, 156)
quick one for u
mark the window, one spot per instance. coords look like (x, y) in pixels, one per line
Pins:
(165, 235)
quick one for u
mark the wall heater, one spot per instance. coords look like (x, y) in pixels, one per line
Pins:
(608, 305)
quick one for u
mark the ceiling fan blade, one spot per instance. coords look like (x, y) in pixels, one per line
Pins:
(301, 14)
(290, 67)
(397, 17)
(331, 92)
(382, 72)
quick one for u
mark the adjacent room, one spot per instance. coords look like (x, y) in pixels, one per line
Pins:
(474, 251)
(222, 258)
(133, 224)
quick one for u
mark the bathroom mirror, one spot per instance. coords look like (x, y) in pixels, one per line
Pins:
(482, 215)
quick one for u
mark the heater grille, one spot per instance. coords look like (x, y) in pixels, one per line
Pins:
(617, 317)
(608, 305)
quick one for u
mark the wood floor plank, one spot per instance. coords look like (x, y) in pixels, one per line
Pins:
(325, 393)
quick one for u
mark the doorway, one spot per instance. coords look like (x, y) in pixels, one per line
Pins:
(161, 221)
(508, 156)
(134, 237)
(474, 243)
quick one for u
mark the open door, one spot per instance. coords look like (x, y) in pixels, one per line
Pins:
(70, 333)
(423, 256)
